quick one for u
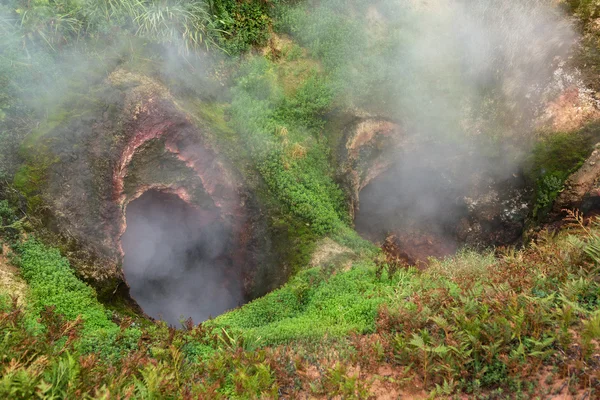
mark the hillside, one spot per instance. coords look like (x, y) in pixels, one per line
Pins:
(299, 199)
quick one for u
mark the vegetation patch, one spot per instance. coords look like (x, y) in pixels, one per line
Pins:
(482, 325)
(553, 159)
(53, 283)
(473, 324)
(283, 134)
(242, 24)
(313, 305)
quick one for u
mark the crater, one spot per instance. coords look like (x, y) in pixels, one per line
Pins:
(420, 198)
(178, 259)
(413, 211)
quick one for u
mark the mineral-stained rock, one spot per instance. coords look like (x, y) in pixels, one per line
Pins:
(582, 188)
(365, 153)
(132, 137)
(473, 206)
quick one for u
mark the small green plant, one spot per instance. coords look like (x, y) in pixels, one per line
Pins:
(548, 189)
(242, 24)
(10, 224)
(338, 381)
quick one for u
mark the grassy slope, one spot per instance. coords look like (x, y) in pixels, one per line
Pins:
(473, 324)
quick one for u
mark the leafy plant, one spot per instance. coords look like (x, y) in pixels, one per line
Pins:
(176, 22)
(552, 161)
(52, 23)
(279, 131)
(241, 24)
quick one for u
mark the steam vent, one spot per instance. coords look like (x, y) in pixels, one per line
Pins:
(441, 203)
(151, 210)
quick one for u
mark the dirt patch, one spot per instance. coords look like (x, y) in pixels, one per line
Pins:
(415, 248)
(551, 388)
(572, 110)
(327, 251)
(10, 281)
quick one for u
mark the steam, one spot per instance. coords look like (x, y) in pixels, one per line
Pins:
(467, 80)
(178, 260)
(414, 193)
(470, 61)
(177, 263)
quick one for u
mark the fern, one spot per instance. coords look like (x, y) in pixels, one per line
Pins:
(592, 248)
(591, 332)
(148, 388)
(61, 379)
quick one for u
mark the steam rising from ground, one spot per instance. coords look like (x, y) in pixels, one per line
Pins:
(425, 196)
(469, 61)
(468, 78)
(460, 75)
(177, 264)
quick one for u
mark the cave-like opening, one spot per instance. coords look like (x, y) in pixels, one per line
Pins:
(178, 259)
(412, 210)
(430, 207)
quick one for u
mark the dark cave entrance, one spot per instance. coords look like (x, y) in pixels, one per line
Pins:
(421, 208)
(413, 211)
(179, 260)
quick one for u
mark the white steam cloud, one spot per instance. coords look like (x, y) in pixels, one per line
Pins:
(178, 265)
(466, 79)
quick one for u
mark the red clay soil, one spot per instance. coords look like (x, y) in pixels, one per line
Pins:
(415, 248)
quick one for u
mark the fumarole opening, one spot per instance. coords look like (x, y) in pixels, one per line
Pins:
(178, 260)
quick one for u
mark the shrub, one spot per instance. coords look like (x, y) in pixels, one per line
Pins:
(243, 24)
(270, 123)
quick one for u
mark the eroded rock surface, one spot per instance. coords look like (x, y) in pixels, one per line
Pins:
(582, 189)
(134, 138)
(11, 283)
(422, 198)
(366, 153)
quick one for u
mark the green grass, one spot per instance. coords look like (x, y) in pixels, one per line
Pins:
(54, 284)
(313, 305)
(187, 26)
(282, 133)
(473, 324)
